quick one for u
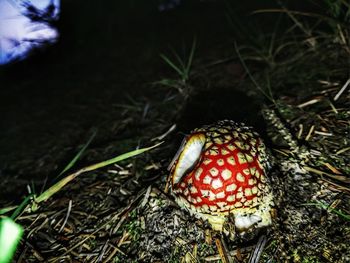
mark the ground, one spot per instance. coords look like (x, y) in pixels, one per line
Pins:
(121, 213)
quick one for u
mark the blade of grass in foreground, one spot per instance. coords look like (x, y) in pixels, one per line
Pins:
(172, 65)
(190, 58)
(56, 187)
(7, 209)
(21, 207)
(77, 156)
(18, 208)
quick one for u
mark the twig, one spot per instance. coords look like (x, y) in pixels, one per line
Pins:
(323, 133)
(103, 251)
(161, 137)
(115, 250)
(301, 127)
(308, 136)
(342, 150)
(337, 187)
(341, 178)
(222, 251)
(259, 248)
(340, 92)
(310, 102)
(145, 199)
(334, 109)
(67, 216)
(332, 168)
(112, 219)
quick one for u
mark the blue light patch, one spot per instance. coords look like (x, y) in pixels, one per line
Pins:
(26, 25)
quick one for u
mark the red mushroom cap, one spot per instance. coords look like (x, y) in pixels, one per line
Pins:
(221, 168)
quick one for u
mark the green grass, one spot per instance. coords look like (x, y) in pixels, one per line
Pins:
(58, 186)
(314, 47)
(183, 69)
(78, 155)
(34, 201)
(182, 66)
(267, 92)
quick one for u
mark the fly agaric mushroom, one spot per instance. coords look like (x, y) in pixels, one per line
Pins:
(219, 170)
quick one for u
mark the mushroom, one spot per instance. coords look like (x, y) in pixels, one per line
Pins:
(220, 170)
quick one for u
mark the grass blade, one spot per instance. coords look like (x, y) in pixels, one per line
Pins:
(21, 207)
(7, 209)
(120, 158)
(250, 75)
(171, 64)
(58, 186)
(190, 58)
(77, 156)
(180, 61)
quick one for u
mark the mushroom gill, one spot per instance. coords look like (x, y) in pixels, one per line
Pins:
(188, 156)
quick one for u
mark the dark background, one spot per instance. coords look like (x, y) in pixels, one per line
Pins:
(108, 54)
